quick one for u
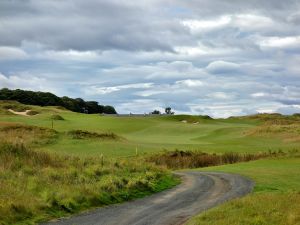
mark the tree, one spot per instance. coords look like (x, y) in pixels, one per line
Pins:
(156, 112)
(49, 99)
(168, 110)
(109, 110)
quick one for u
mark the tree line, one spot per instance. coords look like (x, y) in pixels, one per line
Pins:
(168, 111)
(49, 99)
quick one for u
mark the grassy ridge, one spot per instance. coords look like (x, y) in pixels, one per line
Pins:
(275, 199)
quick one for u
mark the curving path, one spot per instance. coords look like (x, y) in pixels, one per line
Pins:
(198, 191)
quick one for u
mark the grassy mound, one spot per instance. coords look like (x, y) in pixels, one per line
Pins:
(189, 118)
(36, 186)
(57, 117)
(288, 132)
(14, 105)
(32, 113)
(30, 135)
(82, 134)
(272, 118)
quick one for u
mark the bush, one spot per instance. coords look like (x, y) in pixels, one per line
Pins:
(195, 159)
(32, 113)
(57, 117)
(82, 134)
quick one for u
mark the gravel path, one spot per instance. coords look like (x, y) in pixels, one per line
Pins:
(198, 191)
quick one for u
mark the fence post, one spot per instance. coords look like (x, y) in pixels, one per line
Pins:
(102, 160)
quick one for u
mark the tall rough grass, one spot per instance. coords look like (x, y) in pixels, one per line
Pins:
(82, 134)
(36, 186)
(195, 159)
(29, 135)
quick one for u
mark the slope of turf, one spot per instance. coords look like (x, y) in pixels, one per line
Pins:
(275, 199)
(152, 134)
(276, 195)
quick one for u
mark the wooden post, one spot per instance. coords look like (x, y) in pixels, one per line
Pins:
(102, 160)
(136, 151)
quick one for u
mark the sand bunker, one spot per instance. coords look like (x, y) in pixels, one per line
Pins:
(20, 113)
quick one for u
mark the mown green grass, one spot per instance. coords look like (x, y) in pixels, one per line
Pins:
(275, 200)
(152, 134)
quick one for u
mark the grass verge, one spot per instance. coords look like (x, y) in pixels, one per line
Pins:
(275, 200)
(37, 186)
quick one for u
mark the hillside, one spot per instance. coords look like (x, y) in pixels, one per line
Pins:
(152, 134)
(55, 155)
(49, 99)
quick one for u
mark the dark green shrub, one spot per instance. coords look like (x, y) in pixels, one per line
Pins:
(57, 117)
(32, 113)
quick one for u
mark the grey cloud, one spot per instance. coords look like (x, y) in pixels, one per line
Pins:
(11, 53)
(240, 57)
(215, 7)
(87, 25)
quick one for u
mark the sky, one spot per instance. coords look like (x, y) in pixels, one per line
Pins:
(216, 57)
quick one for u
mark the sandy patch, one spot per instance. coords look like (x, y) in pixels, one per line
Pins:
(19, 113)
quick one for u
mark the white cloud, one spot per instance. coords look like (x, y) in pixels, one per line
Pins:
(93, 90)
(220, 95)
(141, 106)
(252, 21)
(190, 83)
(280, 42)
(203, 25)
(12, 53)
(266, 110)
(24, 81)
(222, 67)
(69, 55)
(241, 21)
(148, 93)
(259, 94)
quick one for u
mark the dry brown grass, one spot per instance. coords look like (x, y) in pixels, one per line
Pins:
(36, 185)
(286, 132)
(29, 135)
(82, 134)
(195, 159)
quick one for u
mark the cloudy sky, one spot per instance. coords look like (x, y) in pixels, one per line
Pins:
(215, 57)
